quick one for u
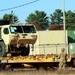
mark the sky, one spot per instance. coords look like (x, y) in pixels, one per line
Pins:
(30, 6)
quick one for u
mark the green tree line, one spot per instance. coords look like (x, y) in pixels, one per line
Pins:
(43, 22)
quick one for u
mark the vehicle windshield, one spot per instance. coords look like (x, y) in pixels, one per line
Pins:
(29, 29)
(16, 29)
(22, 29)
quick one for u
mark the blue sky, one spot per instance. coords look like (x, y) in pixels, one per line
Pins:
(48, 6)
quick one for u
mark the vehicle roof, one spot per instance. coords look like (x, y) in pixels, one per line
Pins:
(16, 25)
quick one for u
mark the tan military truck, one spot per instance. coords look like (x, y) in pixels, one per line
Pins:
(15, 39)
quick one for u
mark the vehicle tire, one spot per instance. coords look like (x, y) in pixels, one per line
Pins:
(73, 62)
(2, 49)
(25, 51)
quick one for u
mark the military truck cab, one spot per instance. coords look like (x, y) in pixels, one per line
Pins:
(15, 39)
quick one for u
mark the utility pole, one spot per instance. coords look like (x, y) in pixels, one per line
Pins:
(63, 8)
(12, 20)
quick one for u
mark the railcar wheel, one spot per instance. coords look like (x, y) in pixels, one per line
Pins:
(25, 51)
(2, 49)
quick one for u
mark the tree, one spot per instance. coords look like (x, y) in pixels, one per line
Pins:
(36, 25)
(56, 17)
(40, 17)
(70, 20)
(55, 27)
(9, 17)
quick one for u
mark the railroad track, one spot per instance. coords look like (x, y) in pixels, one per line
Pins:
(41, 69)
(35, 68)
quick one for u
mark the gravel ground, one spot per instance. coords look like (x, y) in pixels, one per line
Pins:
(36, 72)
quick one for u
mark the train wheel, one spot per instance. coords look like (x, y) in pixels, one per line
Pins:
(2, 49)
(25, 51)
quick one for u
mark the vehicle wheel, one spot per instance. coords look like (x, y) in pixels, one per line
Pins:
(25, 51)
(73, 62)
(2, 49)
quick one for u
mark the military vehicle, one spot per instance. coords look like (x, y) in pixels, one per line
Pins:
(15, 39)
